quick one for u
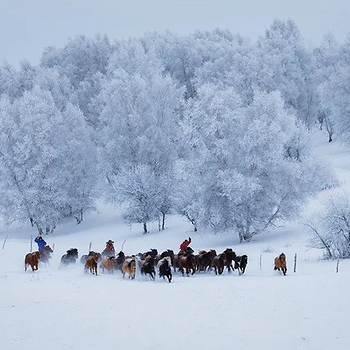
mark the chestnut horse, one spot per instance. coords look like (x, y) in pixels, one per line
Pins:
(205, 259)
(91, 263)
(32, 259)
(280, 263)
(219, 263)
(187, 262)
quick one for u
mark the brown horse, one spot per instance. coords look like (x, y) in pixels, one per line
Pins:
(129, 267)
(230, 256)
(108, 264)
(205, 259)
(91, 263)
(280, 263)
(187, 262)
(32, 259)
(219, 263)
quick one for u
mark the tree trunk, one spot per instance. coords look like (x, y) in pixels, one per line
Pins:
(163, 221)
(192, 221)
(144, 228)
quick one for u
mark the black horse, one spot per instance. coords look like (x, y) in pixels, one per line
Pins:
(119, 261)
(164, 268)
(147, 267)
(69, 258)
(45, 255)
(241, 263)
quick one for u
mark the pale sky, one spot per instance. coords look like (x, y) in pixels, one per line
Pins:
(28, 26)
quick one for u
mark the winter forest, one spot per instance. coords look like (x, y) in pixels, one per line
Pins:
(212, 126)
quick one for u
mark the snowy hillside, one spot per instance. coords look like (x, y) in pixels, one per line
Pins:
(65, 308)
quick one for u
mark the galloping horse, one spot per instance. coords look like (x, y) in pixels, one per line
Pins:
(46, 255)
(129, 267)
(280, 263)
(147, 267)
(32, 259)
(241, 263)
(70, 257)
(91, 263)
(164, 268)
(188, 262)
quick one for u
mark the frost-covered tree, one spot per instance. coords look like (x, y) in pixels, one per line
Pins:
(236, 67)
(326, 60)
(138, 188)
(251, 164)
(46, 161)
(84, 62)
(139, 116)
(334, 89)
(284, 66)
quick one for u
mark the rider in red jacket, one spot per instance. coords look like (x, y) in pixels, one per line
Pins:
(185, 244)
(109, 250)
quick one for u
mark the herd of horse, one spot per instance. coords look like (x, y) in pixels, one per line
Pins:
(149, 262)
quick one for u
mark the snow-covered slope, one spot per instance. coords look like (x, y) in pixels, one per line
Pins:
(65, 308)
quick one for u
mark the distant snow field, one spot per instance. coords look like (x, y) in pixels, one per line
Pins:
(65, 308)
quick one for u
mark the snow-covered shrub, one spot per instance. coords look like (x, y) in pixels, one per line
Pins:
(332, 229)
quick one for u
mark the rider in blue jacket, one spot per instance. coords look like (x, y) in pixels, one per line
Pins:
(41, 243)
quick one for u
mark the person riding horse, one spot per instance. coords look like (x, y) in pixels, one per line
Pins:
(41, 243)
(109, 250)
(185, 244)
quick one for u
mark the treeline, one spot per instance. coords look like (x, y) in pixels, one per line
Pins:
(211, 126)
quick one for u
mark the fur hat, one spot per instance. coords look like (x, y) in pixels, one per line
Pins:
(110, 242)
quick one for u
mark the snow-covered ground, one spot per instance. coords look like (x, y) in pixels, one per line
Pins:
(64, 308)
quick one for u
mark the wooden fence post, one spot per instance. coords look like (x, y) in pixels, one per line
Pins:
(337, 268)
(295, 262)
(260, 262)
(3, 245)
(90, 245)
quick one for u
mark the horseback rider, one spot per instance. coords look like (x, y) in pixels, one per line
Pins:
(41, 243)
(109, 250)
(185, 244)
